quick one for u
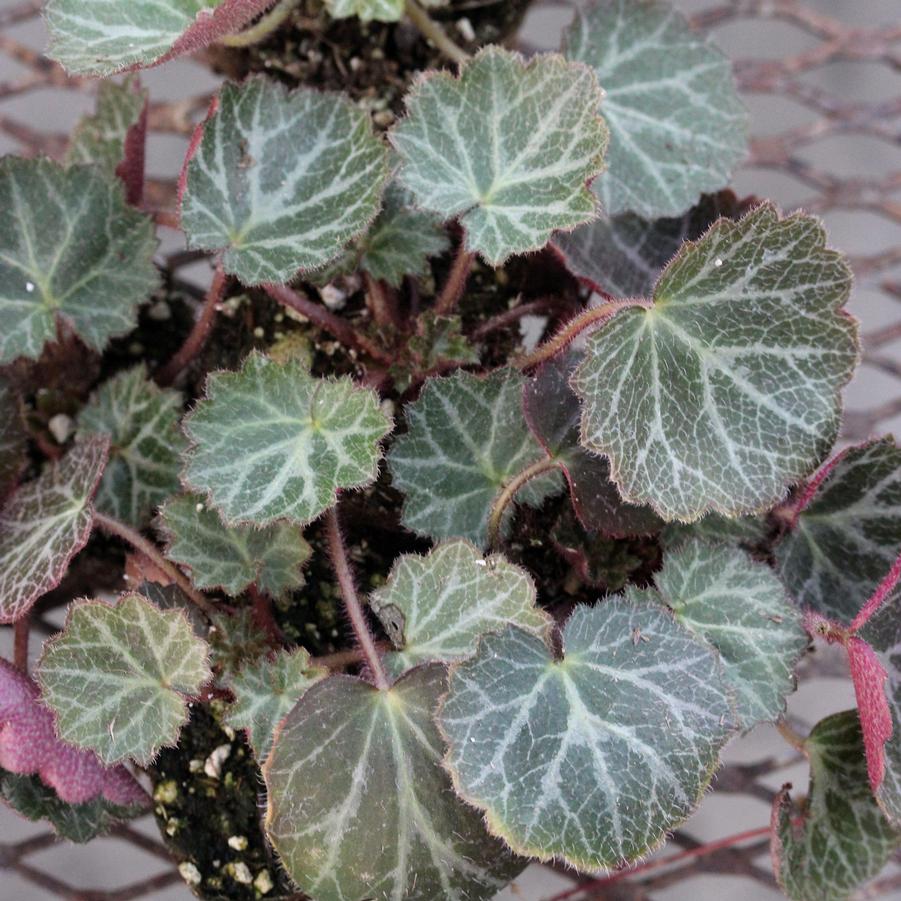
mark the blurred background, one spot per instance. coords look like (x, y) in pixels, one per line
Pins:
(822, 80)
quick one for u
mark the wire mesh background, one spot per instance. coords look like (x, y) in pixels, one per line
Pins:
(822, 79)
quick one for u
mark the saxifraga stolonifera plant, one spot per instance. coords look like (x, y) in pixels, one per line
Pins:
(574, 566)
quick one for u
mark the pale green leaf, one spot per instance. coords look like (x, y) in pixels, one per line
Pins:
(738, 605)
(747, 343)
(44, 524)
(141, 421)
(118, 677)
(508, 148)
(273, 442)
(434, 608)
(360, 807)
(591, 759)
(100, 138)
(466, 440)
(282, 180)
(677, 126)
(13, 439)
(233, 557)
(847, 536)
(71, 250)
(266, 690)
(367, 10)
(837, 839)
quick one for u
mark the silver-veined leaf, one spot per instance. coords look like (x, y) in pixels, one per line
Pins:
(749, 532)
(118, 676)
(281, 180)
(726, 389)
(593, 758)
(837, 839)
(141, 421)
(273, 442)
(677, 126)
(466, 440)
(266, 690)
(71, 250)
(13, 439)
(366, 10)
(435, 608)
(846, 536)
(360, 807)
(44, 524)
(508, 147)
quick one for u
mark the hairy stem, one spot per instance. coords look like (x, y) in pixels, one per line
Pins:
(435, 33)
(263, 28)
(456, 281)
(325, 319)
(573, 328)
(264, 618)
(512, 316)
(351, 601)
(795, 739)
(382, 303)
(197, 338)
(342, 659)
(505, 498)
(21, 633)
(152, 552)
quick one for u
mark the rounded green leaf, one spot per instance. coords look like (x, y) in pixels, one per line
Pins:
(677, 126)
(273, 442)
(727, 388)
(71, 250)
(117, 677)
(360, 807)
(508, 148)
(593, 758)
(281, 180)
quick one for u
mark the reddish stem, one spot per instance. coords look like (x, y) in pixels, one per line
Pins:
(196, 340)
(382, 303)
(877, 599)
(21, 633)
(456, 281)
(263, 617)
(511, 317)
(132, 168)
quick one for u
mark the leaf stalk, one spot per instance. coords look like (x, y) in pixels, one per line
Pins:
(505, 498)
(435, 33)
(456, 282)
(263, 28)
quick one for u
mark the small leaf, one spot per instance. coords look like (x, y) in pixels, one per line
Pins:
(434, 608)
(677, 126)
(45, 524)
(13, 439)
(367, 10)
(71, 250)
(848, 532)
(273, 442)
(747, 341)
(738, 605)
(281, 180)
(359, 806)
(553, 413)
(232, 558)
(838, 839)
(594, 758)
(29, 747)
(28, 796)
(264, 693)
(466, 440)
(117, 677)
(141, 421)
(99, 37)
(508, 148)
(100, 138)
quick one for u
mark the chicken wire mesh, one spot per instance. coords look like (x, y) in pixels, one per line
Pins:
(823, 82)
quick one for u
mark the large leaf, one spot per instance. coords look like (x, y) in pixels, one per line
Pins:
(747, 343)
(367, 10)
(359, 806)
(848, 531)
(838, 838)
(737, 604)
(103, 36)
(281, 180)
(677, 127)
(554, 414)
(508, 148)
(141, 421)
(273, 442)
(45, 524)
(117, 677)
(466, 440)
(591, 759)
(233, 557)
(71, 251)
(266, 690)
(13, 439)
(434, 608)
